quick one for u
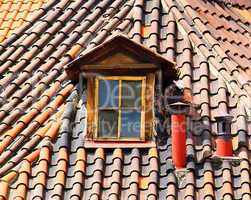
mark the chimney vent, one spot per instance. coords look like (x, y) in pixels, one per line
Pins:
(224, 145)
(178, 131)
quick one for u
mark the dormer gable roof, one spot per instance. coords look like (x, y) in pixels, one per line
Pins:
(120, 46)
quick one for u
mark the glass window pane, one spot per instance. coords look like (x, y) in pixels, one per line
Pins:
(131, 94)
(108, 123)
(108, 93)
(130, 124)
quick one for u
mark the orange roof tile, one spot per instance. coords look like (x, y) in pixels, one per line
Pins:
(33, 156)
(53, 131)
(41, 132)
(14, 13)
(100, 153)
(9, 177)
(153, 152)
(143, 183)
(74, 51)
(23, 181)
(4, 192)
(43, 114)
(44, 154)
(43, 165)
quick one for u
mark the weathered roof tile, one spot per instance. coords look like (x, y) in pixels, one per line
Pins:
(209, 40)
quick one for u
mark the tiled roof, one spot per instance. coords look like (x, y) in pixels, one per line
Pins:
(42, 114)
(13, 13)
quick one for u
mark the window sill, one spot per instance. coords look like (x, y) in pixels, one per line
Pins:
(119, 144)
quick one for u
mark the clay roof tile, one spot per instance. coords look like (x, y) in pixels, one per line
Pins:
(42, 142)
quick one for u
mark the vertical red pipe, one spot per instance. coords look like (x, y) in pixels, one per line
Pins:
(178, 123)
(224, 146)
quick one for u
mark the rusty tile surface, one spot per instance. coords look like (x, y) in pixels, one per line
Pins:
(43, 114)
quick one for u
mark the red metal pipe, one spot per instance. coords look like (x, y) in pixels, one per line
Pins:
(224, 146)
(178, 123)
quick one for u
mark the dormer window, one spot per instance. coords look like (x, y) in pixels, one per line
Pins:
(122, 78)
(120, 106)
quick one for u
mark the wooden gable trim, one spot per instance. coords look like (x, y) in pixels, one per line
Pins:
(121, 43)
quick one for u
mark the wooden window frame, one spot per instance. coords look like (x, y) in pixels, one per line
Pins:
(143, 104)
(91, 139)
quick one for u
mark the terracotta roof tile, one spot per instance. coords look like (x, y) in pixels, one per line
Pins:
(33, 156)
(9, 177)
(4, 190)
(14, 14)
(23, 179)
(209, 41)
